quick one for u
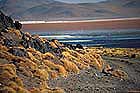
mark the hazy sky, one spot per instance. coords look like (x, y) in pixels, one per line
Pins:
(81, 1)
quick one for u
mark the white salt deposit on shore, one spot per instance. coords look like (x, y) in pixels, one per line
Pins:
(41, 22)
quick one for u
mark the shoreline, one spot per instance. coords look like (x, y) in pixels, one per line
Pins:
(78, 21)
(83, 25)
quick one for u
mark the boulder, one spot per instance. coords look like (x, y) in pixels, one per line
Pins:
(18, 52)
(6, 21)
(79, 46)
(17, 25)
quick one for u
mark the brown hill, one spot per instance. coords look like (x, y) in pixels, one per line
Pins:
(53, 10)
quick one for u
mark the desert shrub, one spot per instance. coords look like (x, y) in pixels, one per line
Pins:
(37, 55)
(49, 90)
(3, 61)
(6, 55)
(52, 44)
(93, 59)
(58, 43)
(7, 90)
(68, 56)
(62, 71)
(3, 48)
(26, 68)
(58, 68)
(31, 64)
(8, 69)
(50, 64)
(54, 74)
(69, 66)
(34, 90)
(16, 86)
(81, 65)
(21, 90)
(6, 75)
(119, 74)
(18, 81)
(99, 63)
(41, 73)
(12, 84)
(16, 32)
(48, 55)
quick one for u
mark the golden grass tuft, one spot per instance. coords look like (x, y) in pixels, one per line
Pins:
(3, 48)
(57, 90)
(48, 55)
(6, 55)
(120, 74)
(98, 64)
(54, 74)
(7, 71)
(43, 85)
(50, 64)
(6, 75)
(7, 90)
(34, 90)
(12, 84)
(25, 72)
(61, 70)
(58, 43)
(31, 57)
(69, 66)
(16, 32)
(52, 44)
(21, 90)
(41, 73)
(18, 81)
(37, 54)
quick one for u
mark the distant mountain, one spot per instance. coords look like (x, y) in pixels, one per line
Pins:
(51, 9)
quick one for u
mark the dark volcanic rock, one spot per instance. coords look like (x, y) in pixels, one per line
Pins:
(16, 37)
(35, 42)
(18, 25)
(5, 21)
(18, 52)
(79, 46)
(9, 42)
(70, 46)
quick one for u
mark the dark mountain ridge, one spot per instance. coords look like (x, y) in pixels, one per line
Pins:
(51, 9)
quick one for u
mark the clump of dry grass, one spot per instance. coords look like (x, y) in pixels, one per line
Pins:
(41, 74)
(70, 66)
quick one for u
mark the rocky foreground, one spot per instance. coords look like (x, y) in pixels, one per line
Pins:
(92, 81)
(30, 64)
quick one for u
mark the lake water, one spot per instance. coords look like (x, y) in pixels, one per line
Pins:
(124, 38)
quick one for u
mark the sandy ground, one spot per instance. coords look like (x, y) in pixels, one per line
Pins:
(91, 81)
(114, 24)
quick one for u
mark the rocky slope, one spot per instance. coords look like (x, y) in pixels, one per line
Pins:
(51, 9)
(28, 62)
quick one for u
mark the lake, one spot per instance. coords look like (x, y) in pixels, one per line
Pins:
(121, 38)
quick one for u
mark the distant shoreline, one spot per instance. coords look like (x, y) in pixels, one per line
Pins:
(77, 21)
(121, 23)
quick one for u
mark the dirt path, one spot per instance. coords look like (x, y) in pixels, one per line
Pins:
(91, 81)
